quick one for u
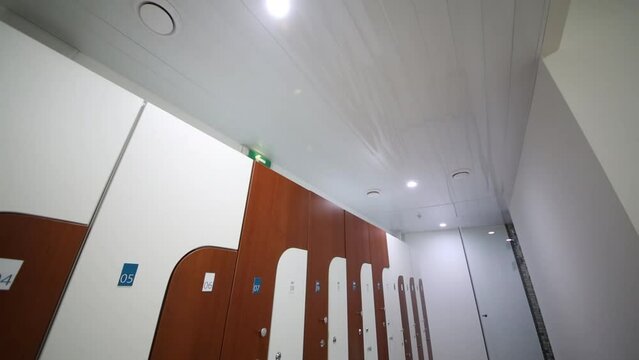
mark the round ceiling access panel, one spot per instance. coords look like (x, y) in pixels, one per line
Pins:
(460, 174)
(157, 18)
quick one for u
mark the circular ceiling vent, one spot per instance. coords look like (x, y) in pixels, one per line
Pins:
(157, 18)
(374, 193)
(460, 174)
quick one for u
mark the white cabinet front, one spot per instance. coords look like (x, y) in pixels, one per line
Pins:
(287, 322)
(368, 312)
(337, 310)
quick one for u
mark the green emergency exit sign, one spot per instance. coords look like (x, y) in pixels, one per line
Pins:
(259, 158)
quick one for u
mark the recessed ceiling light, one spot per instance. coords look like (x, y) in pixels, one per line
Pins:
(278, 8)
(491, 233)
(411, 184)
(297, 91)
(374, 193)
(442, 225)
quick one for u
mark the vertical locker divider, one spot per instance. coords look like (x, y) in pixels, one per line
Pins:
(325, 242)
(357, 253)
(276, 219)
(379, 261)
(429, 346)
(418, 330)
(401, 291)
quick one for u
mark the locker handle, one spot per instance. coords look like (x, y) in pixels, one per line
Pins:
(263, 332)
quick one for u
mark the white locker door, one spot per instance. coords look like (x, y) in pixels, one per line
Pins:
(287, 320)
(393, 317)
(337, 310)
(368, 312)
(411, 318)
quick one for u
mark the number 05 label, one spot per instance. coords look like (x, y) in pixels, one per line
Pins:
(8, 271)
(127, 276)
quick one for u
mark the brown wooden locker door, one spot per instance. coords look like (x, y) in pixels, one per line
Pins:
(276, 219)
(191, 324)
(379, 261)
(429, 346)
(357, 253)
(408, 349)
(418, 328)
(325, 241)
(48, 248)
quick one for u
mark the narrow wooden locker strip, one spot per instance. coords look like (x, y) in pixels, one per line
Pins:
(429, 346)
(276, 219)
(357, 253)
(418, 328)
(325, 241)
(408, 349)
(379, 261)
(191, 324)
(48, 249)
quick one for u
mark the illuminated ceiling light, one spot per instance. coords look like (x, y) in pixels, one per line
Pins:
(442, 225)
(278, 8)
(491, 233)
(411, 184)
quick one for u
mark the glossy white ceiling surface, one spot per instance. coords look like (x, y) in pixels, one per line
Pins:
(346, 95)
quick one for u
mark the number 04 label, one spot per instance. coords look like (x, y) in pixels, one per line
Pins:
(8, 271)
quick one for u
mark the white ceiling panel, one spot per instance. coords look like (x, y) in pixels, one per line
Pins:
(345, 95)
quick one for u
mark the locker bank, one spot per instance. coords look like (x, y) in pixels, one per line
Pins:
(288, 179)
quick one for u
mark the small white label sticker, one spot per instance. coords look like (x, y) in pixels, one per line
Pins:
(8, 271)
(209, 279)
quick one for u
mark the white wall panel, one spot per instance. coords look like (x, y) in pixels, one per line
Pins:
(337, 310)
(508, 325)
(597, 71)
(580, 244)
(287, 321)
(176, 189)
(368, 312)
(62, 128)
(439, 260)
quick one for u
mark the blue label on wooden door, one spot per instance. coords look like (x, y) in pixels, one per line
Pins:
(257, 285)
